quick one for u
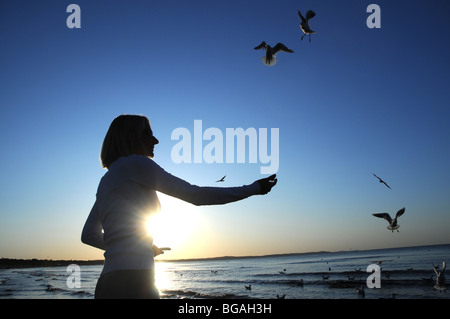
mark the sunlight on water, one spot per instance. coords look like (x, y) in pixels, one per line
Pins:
(162, 276)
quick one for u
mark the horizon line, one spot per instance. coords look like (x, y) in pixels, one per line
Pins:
(62, 262)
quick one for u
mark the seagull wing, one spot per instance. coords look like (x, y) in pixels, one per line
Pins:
(310, 14)
(384, 215)
(436, 271)
(281, 47)
(385, 184)
(400, 213)
(263, 45)
(301, 16)
(381, 181)
(376, 176)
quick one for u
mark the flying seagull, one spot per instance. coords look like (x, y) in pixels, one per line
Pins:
(222, 179)
(440, 280)
(381, 181)
(270, 58)
(304, 24)
(392, 222)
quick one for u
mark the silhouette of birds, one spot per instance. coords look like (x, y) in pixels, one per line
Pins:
(440, 280)
(381, 181)
(270, 58)
(392, 221)
(249, 287)
(304, 24)
(222, 179)
(281, 297)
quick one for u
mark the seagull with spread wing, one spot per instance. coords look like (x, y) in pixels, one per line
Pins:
(222, 179)
(304, 24)
(270, 58)
(440, 279)
(381, 181)
(392, 221)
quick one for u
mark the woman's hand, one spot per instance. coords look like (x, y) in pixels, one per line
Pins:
(157, 251)
(267, 183)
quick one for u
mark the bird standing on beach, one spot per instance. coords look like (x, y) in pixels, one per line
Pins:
(304, 24)
(392, 221)
(270, 58)
(440, 280)
(381, 181)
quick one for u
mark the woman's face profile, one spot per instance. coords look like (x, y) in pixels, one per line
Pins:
(149, 141)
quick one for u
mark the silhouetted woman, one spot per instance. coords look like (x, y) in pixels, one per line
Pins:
(126, 197)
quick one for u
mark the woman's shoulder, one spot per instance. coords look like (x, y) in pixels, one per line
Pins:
(134, 158)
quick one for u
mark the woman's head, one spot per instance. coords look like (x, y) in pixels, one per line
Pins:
(127, 135)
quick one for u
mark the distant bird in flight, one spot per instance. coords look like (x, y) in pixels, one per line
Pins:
(222, 179)
(392, 222)
(304, 25)
(270, 58)
(381, 181)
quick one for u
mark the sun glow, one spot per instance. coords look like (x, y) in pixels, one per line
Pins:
(175, 225)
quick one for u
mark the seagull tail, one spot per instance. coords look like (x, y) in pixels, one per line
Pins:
(269, 62)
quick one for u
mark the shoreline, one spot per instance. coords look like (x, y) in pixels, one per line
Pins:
(9, 263)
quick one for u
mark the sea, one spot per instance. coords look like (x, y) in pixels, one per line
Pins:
(398, 273)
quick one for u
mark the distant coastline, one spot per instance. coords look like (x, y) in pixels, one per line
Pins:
(242, 257)
(8, 263)
(294, 254)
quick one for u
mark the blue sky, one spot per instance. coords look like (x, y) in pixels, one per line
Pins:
(352, 102)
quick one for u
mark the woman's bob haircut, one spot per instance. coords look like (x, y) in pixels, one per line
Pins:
(123, 138)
